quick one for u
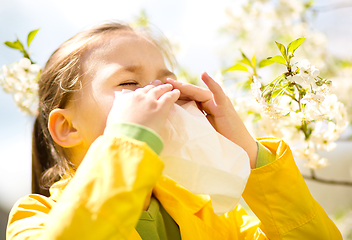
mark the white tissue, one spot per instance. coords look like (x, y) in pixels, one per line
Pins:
(200, 159)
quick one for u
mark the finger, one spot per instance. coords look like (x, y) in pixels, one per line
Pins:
(146, 88)
(150, 86)
(211, 120)
(158, 91)
(191, 92)
(169, 98)
(219, 95)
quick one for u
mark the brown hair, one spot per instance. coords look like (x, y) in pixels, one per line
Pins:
(60, 78)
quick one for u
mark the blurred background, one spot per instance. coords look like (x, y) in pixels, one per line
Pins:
(207, 37)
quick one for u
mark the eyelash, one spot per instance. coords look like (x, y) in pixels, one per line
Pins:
(128, 83)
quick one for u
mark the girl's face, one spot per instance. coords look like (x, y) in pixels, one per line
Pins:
(122, 60)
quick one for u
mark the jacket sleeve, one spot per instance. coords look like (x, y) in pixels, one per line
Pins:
(280, 198)
(103, 200)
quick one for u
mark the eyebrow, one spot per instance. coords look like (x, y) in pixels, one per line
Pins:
(133, 68)
(139, 69)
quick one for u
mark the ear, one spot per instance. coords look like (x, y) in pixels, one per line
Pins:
(61, 129)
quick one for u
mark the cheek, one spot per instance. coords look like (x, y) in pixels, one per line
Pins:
(101, 99)
(103, 107)
(93, 113)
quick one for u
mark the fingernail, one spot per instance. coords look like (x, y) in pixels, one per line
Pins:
(206, 74)
(170, 80)
(156, 82)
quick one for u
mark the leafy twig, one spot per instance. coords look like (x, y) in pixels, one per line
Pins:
(19, 46)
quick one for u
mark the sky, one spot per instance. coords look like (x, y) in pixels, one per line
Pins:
(193, 24)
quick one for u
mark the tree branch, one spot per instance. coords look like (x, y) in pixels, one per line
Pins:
(313, 177)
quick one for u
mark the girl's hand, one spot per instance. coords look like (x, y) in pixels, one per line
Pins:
(148, 106)
(219, 112)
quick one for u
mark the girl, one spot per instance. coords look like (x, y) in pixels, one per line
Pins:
(101, 159)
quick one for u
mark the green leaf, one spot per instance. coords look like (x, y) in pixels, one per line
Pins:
(265, 62)
(282, 49)
(276, 93)
(31, 35)
(290, 90)
(238, 67)
(292, 46)
(246, 60)
(11, 45)
(254, 61)
(278, 59)
(15, 45)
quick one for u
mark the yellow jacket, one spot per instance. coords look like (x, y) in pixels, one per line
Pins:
(104, 200)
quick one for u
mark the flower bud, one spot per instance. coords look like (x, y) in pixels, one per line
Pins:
(319, 83)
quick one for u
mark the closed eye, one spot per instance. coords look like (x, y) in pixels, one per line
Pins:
(128, 83)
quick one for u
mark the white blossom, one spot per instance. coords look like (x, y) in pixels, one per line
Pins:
(315, 162)
(256, 89)
(308, 153)
(297, 117)
(307, 74)
(314, 111)
(323, 90)
(21, 80)
(274, 111)
(324, 135)
(312, 98)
